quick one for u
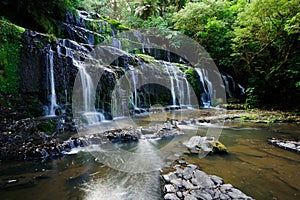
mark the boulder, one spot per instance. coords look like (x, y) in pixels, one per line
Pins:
(198, 144)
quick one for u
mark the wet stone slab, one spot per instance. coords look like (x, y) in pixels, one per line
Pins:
(187, 181)
(290, 145)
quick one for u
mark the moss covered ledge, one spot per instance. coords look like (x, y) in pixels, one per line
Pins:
(10, 47)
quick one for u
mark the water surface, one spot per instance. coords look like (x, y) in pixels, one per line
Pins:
(257, 168)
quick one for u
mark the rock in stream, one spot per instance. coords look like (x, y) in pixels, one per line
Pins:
(187, 181)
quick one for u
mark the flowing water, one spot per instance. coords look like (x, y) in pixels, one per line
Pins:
(257, 168)
(52, 97)
(87, 103)
(207, 87)
(260, 170)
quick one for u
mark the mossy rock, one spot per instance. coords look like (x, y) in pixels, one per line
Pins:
(48, 127)
(218, 147)
(146, 58)
(10, 47)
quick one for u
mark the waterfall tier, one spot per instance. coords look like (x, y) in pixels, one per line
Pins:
(112, 82)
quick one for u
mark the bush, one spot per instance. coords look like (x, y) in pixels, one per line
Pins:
(10, 46)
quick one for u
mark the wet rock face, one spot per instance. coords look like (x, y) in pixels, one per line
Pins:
(33, 68)
(32, 62)
(290, 145)
(40, 139)
(33, 139)
(81, 32)
(188, 182)
(86, 27)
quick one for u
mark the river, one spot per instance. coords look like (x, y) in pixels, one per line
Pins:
(255, 167)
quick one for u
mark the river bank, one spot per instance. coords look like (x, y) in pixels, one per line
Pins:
(35, 138)
(255, 167)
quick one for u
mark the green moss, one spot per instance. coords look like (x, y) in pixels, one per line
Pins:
(93, 25)
(98, 39)
(218, 147)
(51, 38)
(250, 117)
(10, 47)
(123, 27)
(190, 73)
(116, 24)
(146, 58)
(48, 127)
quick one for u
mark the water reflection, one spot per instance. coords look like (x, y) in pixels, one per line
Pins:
(252, 165)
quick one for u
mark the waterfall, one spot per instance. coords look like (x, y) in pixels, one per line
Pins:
(88, 93)
(181, 85)
(134, 94)
(115, 41)
(53, 104)
(167, 66)
(207, 87)
(89, 88)
(178, 87)
(242, 89)
(118, 100)
(87, 85)
(232, 88)
(227, 86)
(188, 92)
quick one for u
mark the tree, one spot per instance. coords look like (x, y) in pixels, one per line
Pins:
(147, 8)
(266, 42)
(209, 22)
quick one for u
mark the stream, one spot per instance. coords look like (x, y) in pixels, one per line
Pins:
(257, 168)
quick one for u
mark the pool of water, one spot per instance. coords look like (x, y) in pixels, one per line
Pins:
(257, 168)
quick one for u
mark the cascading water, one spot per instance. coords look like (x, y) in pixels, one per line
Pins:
(144, 41)
(134, 95)
(172, 83)
(88, 93)
(52, 97)
(115, 41)
(242, 89)
(88, 89)
(232, 88)
(119, 102)
(179, 89)
(181, 86)
(188, 92)
(207, 87)
(227, 87)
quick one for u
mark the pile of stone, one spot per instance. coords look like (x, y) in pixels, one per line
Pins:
(189, 183)
(26, 143)
(286, 144)
(166, 130)
(198, 144)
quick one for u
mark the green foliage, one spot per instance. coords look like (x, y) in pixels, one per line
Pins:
(38, 15)
(266, 41)
(253, 100)
(260, 33)
(191, 74)
(146, 58)
(48, 126)
(262, 37)
(116, 24)
(10, 46)
(209, 23)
